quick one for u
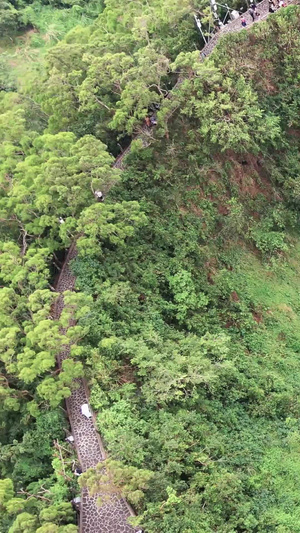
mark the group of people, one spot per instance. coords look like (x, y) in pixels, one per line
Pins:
(273, 7)
(253, 12)
(150, 119)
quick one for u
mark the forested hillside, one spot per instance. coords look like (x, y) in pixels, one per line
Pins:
(187, 310)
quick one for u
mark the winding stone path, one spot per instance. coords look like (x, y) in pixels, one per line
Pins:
(112, 517)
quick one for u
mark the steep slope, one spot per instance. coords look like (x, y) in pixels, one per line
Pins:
(184, 318)
(84, 437)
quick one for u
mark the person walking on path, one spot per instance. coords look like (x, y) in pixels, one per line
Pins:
(99, 196)
(243, 22)
(254, 7)
(251, 13)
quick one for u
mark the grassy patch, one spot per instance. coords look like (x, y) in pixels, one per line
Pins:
(22, 55)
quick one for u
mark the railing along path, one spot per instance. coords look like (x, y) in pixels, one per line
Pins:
(112, 516)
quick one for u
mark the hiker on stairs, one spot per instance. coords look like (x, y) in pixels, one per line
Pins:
(252, 13)
(99, 196)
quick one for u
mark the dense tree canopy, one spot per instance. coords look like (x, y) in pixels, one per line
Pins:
(185, 318)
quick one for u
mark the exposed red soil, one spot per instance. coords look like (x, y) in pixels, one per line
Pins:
(257, 317)
(234, 297)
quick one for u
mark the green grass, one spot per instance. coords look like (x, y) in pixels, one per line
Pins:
(273, 288)
(274, 293)
(260, 307)
(22, 54)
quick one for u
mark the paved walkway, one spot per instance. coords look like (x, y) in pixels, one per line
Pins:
(111, 517)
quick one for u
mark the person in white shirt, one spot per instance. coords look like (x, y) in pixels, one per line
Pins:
(99, 196)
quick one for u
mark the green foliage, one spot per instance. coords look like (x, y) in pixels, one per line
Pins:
(226, 109)
(185, 295)
(58, 179)
(51, 520)
(6, 491)
(185, 318)
(30, 269)
(111, 222)
(8, 17)
(24, 523)
(35, 356)
(118, 479)
(107, 79)
(268, 234)
(57, 513)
